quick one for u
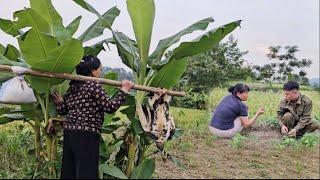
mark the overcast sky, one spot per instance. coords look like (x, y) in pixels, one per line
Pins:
(265, 23)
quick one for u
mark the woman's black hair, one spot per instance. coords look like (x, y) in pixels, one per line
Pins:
(85, 67)
(241, 88)
(88, 64)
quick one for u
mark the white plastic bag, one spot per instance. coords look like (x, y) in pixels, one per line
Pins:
(16, 91)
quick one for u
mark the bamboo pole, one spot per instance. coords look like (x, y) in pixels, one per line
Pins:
(89, 78)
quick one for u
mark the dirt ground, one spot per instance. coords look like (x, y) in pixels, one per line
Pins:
(259, 158)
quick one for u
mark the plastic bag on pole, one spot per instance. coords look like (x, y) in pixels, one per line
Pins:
(16, 91)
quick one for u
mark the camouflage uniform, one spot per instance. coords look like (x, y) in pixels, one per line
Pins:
(297, 115)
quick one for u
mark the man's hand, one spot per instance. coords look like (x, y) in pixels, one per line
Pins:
(284, 129)
(292, 133)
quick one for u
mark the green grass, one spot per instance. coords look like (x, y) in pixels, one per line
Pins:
(273, 86)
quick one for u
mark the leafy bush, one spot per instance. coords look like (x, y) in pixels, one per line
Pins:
(238, 141)
(193, 100)
(309, 140)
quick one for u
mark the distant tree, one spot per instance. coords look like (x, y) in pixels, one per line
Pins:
(222, 63)
(266, 72)
(287, 62)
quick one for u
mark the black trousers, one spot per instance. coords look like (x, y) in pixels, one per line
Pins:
(80, 155)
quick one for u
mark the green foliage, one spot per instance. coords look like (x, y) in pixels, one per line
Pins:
(142, 17)
(272, 122)
(49, 46)
(194, 100)
(288, 142)
(17, 154)
(164, 44)
(144, 170)
(97, 28)
(71, 52)
(112, 171)
(238, 141)
(204, 42)
(170, 74)
(285, 65)
(310, 140)
(73, 26)
(222, 63)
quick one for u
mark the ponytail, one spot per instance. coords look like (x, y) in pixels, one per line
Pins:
(241, 88)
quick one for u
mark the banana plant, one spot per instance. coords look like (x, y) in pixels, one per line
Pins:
(48, 45)
(153, 69)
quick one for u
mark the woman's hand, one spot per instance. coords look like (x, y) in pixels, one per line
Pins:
(126, 85)
(260, 111)
(57, 99)
(162, 91)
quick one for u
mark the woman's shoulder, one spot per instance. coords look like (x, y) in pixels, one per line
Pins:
(235, 100)
(91, 85)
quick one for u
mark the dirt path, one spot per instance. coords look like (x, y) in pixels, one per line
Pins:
(259, 158)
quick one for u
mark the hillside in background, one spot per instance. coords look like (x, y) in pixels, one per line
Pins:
(122, 73)
(314, 82)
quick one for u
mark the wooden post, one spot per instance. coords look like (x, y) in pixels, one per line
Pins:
(89, 78)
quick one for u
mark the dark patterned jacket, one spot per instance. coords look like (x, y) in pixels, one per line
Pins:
(85, 105)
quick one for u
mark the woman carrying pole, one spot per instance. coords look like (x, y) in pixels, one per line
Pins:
(85, 104)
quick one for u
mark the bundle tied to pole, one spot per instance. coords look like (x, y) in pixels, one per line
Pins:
(22, 70)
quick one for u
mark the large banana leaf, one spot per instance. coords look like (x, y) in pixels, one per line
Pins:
(48, 12)
(127, 50)
(142, 14)
(170, 74)
(96, 29)
(112, 170)
(6, 118)
(12, 53)
(30, 111)
(144, 170)
(204, 42)
(110, 90)
(97, 48)
(9, 27)
(35, 46)
(73, 26)
(5, 61)
(7, 115)
(164, 44)
(31, 18)
(87, 6)
(2, 48)
(4, 77)
(62, 59)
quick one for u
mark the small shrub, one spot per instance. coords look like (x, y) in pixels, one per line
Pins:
(309, 140)
(238, 141)
(287, 141)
